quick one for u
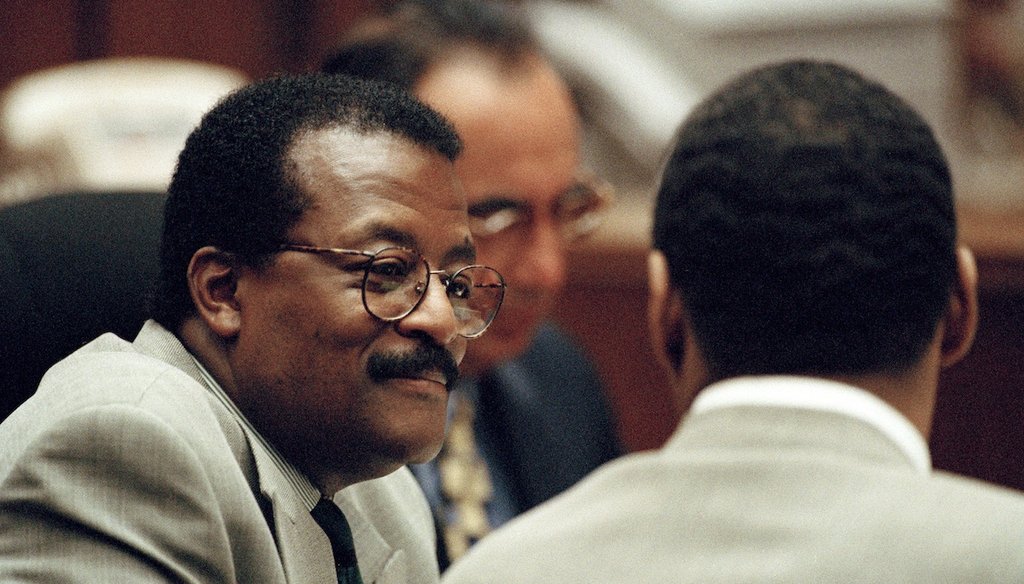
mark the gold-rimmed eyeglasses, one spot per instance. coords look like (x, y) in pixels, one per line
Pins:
(395, 280)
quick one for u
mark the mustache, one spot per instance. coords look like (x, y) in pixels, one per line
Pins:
(426, 357)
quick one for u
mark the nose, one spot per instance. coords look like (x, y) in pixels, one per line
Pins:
(433, 316)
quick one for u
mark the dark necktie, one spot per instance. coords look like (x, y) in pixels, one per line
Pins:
(334, 524)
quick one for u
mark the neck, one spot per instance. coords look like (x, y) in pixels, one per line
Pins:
(912, 392)
(910, 397)
(211, 351)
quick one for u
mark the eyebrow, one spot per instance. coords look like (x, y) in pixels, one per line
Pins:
(462, 252)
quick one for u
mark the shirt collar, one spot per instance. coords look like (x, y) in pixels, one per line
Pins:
(824, 395)
(309, 494)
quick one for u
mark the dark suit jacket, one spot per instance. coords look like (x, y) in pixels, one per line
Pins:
(542, 422)
(546, 416)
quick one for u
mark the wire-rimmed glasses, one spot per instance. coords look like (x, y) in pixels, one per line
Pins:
(395, 280)
(578, 211)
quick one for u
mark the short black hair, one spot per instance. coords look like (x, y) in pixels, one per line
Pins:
(232, 187)
(400, 44)
(807, 217)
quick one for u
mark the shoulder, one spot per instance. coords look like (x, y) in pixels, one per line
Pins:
(109, 391)
(571, 537)
(121, 443)
(127, 486)
(556, 368)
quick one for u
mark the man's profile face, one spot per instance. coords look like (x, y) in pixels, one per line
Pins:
(306, 342)
(520, 136)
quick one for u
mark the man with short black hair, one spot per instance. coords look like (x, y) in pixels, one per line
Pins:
(806, 289)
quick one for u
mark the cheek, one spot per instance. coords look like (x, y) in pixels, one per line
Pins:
(498, 254)
(304, 346)
(306, 380)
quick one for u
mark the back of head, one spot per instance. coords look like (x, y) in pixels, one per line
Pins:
(233, 187)
(807, 217)
(399, 45)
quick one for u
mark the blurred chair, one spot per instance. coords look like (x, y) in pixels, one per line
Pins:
(72, 266)
(106, 124)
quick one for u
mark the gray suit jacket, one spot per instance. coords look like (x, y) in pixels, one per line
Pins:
(123, 467)
(756, 494)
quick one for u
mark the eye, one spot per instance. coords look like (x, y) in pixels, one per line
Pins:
(460, 287)
(390, 273)
(576, 202)
(497, 222)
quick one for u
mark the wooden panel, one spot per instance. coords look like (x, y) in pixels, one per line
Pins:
(226, 32)
(979, 417)
(260, 38)
(604, 306)
(35, 34)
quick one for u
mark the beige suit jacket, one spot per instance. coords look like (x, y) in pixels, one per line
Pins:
(123, 467)
(761, 494)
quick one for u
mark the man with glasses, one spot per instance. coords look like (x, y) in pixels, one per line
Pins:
(317, 291)
(536, 412)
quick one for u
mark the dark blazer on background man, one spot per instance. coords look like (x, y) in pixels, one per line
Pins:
(545, 418)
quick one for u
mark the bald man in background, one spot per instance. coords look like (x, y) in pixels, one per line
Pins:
(535, 415)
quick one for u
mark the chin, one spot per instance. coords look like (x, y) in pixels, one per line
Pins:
(425, 454)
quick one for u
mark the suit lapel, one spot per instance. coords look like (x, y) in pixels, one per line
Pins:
(372, 548)
(303, 547)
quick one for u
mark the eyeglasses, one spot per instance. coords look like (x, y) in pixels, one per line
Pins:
(578, 211)
(395, 280)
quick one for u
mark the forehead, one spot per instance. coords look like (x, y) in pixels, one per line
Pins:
(366, 188)
(519, 127)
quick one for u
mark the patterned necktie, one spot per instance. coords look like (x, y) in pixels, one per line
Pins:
(465, 483)
(334, 524)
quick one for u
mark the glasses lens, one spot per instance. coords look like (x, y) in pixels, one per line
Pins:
(581, 208)
(485, 224)
(476, 293)
(395, 280)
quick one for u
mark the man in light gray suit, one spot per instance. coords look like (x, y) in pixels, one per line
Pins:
(806, 289)
(317, 291)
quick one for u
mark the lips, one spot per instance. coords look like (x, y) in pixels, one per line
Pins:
(435, 376)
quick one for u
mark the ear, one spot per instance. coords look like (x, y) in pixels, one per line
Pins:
(665, 315)
(213, 280)
(961, 322)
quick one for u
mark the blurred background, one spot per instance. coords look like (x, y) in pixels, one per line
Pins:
(99, 94)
